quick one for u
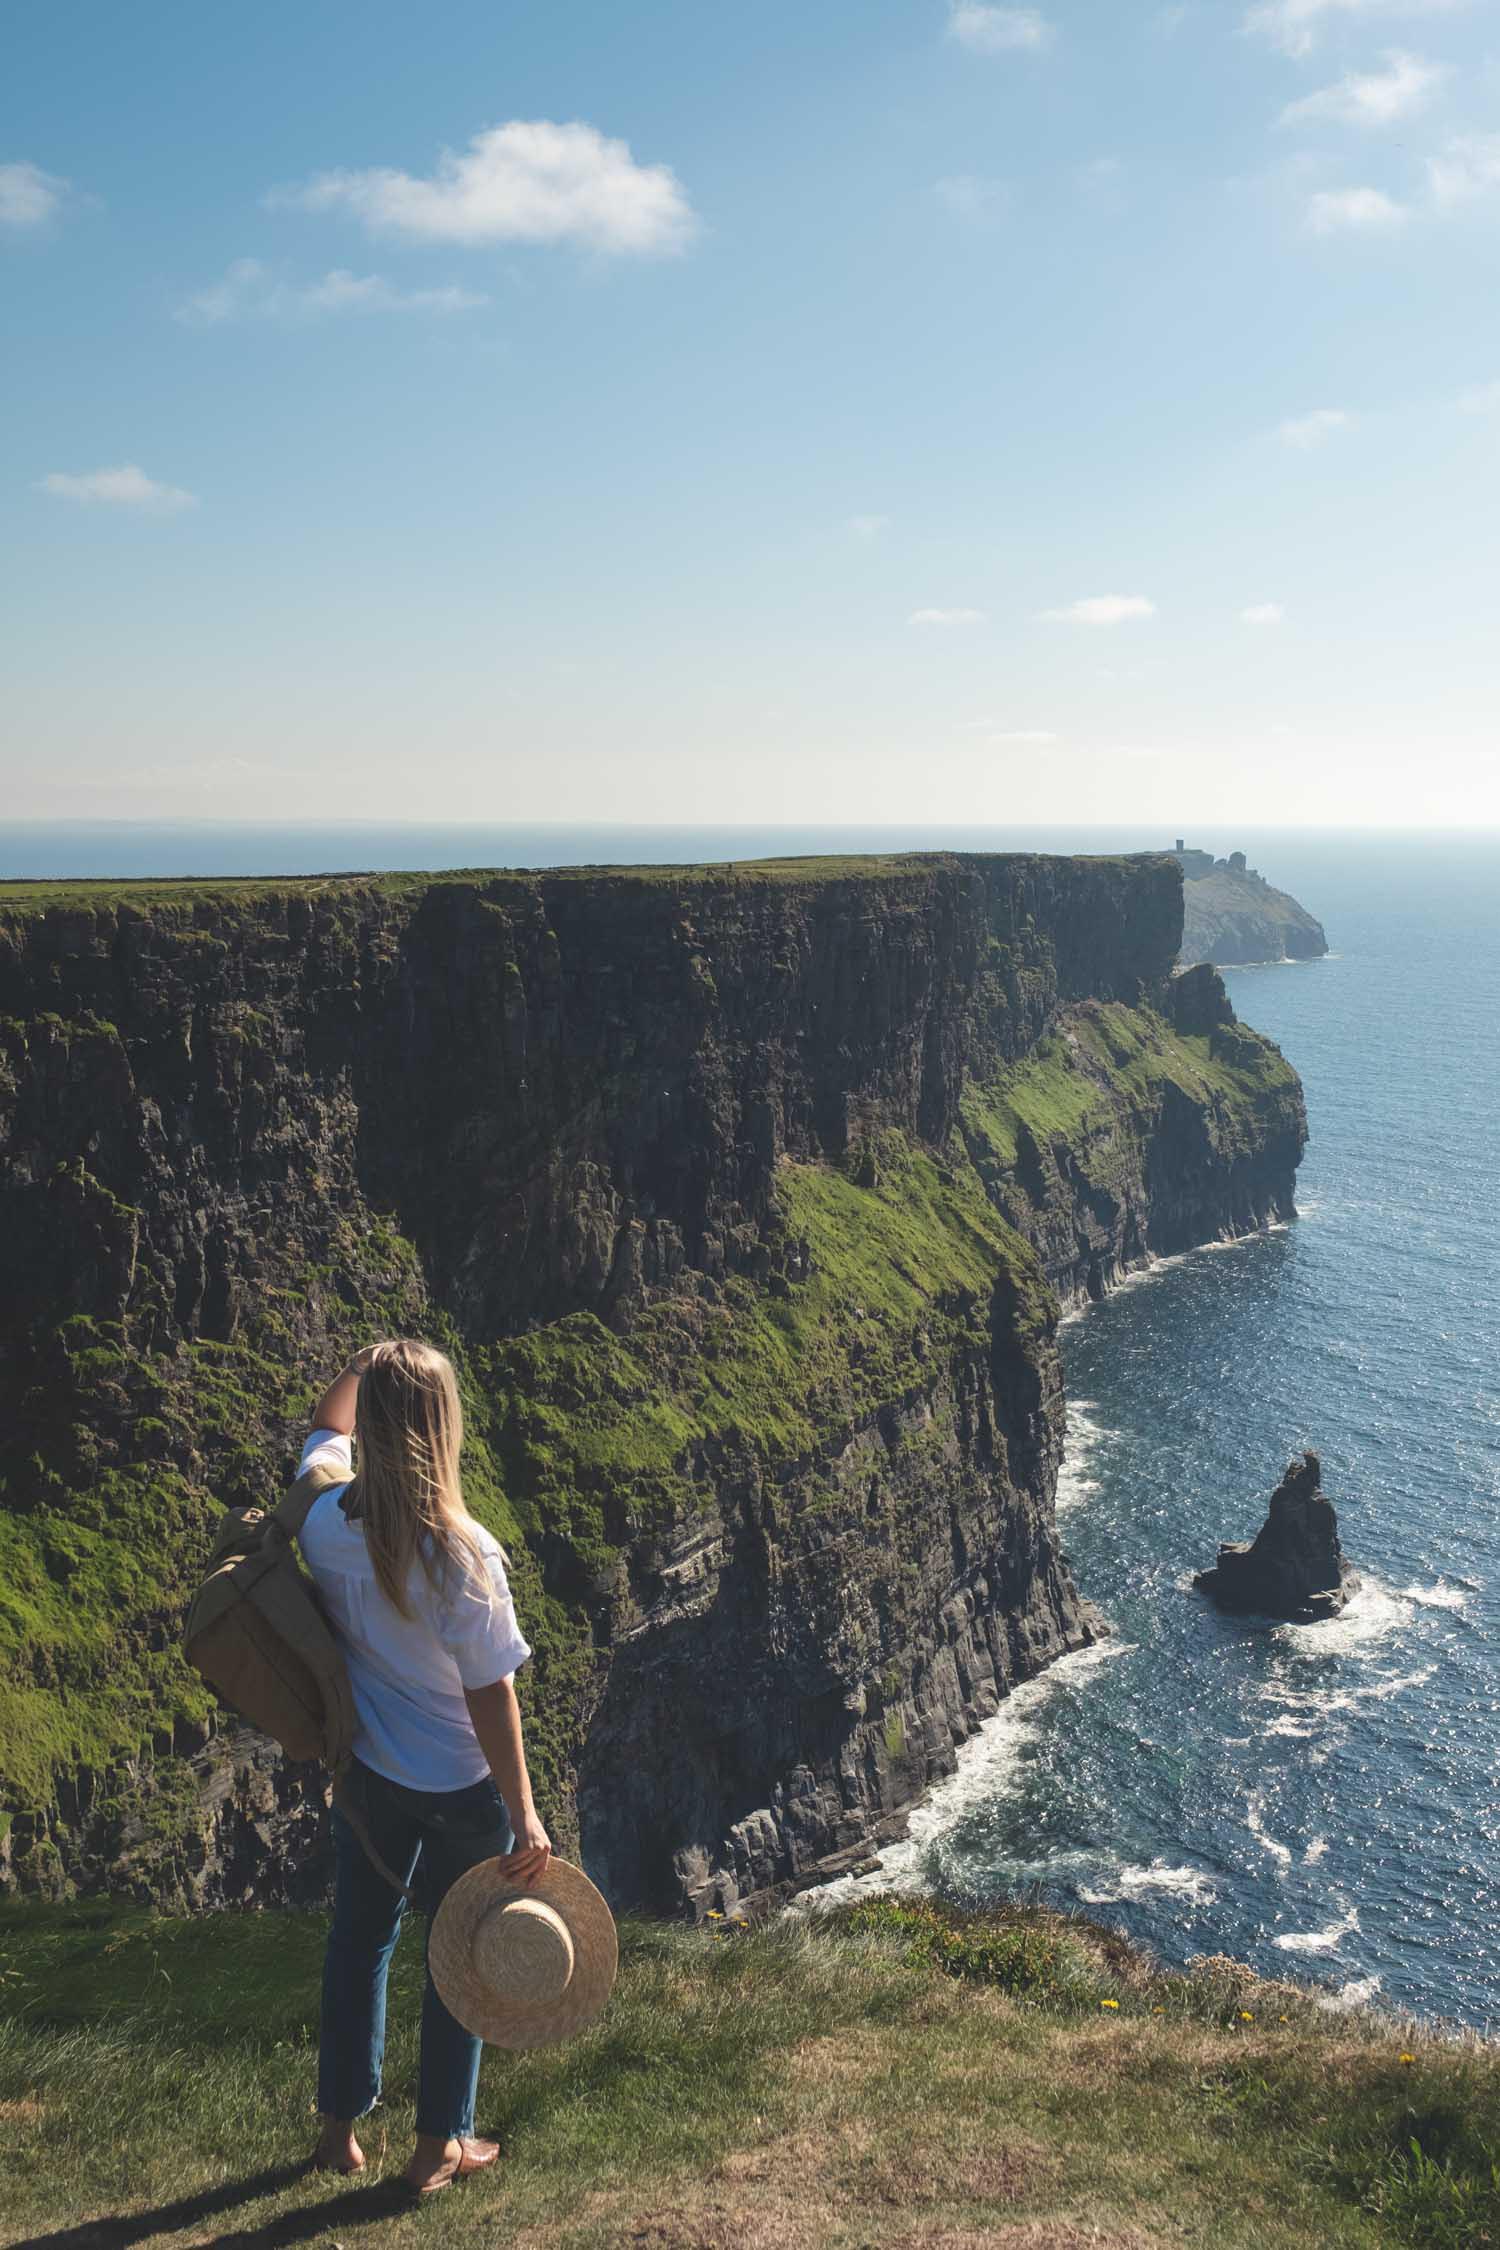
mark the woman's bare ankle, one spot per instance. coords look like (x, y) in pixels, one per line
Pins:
(337, 2149)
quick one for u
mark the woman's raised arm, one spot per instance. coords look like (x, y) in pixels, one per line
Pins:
(335, 1409)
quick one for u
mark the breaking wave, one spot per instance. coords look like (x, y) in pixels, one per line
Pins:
(1319, 1941)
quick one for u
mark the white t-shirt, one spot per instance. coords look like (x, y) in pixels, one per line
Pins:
(408, 1673)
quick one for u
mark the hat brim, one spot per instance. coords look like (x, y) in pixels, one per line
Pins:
(486, 2013)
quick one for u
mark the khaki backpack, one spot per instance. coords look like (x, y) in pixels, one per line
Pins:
(257, 1633)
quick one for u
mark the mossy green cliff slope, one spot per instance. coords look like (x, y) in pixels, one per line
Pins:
(741, 1197)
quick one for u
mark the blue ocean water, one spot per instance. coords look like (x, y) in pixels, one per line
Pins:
(1320, 1800)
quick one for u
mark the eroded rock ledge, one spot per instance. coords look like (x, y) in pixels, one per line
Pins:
(740, 1195)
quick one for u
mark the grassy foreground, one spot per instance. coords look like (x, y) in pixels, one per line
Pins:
(893, 2077)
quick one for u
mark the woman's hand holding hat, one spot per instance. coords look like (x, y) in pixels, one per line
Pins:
(528, 1863)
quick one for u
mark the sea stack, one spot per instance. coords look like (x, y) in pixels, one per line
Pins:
(1295, 1567)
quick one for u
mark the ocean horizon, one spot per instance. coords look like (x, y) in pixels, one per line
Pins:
(126, 850)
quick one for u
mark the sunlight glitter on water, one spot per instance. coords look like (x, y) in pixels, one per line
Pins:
(1316, 1799)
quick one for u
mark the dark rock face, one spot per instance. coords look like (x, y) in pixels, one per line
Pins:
(1197, 1001)
(1295, 1567)
(566, 1124)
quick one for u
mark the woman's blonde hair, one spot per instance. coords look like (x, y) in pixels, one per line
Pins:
(409, 1427)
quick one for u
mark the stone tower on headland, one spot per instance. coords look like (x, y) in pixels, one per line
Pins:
(1232, 915)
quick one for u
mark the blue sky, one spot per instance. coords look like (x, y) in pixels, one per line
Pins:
(878, 409)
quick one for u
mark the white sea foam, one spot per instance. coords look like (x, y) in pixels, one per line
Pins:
(1254, 1821)
(1155, 1269)
(1373, 1613)
(1358, 1993)
(1440, 1596)
(1133, 1882)
(1300, 1705)
(1076, 1481)
(1315, 1851)
(1394, 1683)
(1282, 961)
(1319, 1941)
(1378, 1691)
(987, 1763)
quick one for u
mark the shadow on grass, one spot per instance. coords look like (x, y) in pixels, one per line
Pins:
(354, 2207)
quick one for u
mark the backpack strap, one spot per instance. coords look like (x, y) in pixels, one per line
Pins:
(292, 1511)
(289, 1515)
(344, 1800)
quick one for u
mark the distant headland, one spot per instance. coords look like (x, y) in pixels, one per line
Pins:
(1231, 914)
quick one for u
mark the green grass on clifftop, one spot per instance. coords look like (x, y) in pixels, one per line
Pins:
(191, 891)
(898, 2079)
(40, 896)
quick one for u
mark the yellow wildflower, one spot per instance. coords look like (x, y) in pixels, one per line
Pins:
(1408, 2058)
(1245, 2016)
(1109, 2003)
(713, 1916)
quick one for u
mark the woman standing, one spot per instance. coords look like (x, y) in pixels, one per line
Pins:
(417, 1593)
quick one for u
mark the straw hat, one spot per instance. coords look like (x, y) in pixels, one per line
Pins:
(523, 1967)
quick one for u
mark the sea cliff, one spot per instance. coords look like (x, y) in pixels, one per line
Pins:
(1233, 915)
(743, 1197)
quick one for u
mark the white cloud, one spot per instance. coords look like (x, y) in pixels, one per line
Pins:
(998, 31)
(969, 196)
(1379, 97)
(28, 195)
(1483, 398)
(1035, 738)
(528, 181)
(1263, 613)
(1468, 168)
(869, 527)
(1101, 609)
(1304, 431)
(1293, 25)
(1358, 210)
(251, 291)
(125, 487)
(944, 617)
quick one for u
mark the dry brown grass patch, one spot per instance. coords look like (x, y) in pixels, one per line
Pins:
(1089, 2055)
(717, 2228)
(799, 2156)
(839, 2056)
(1026, 2234)
(795, 2190)
(934, 2174)
(27, 2111)
(842, 2164)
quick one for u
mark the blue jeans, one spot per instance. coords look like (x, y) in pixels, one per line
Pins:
(435, 1836)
